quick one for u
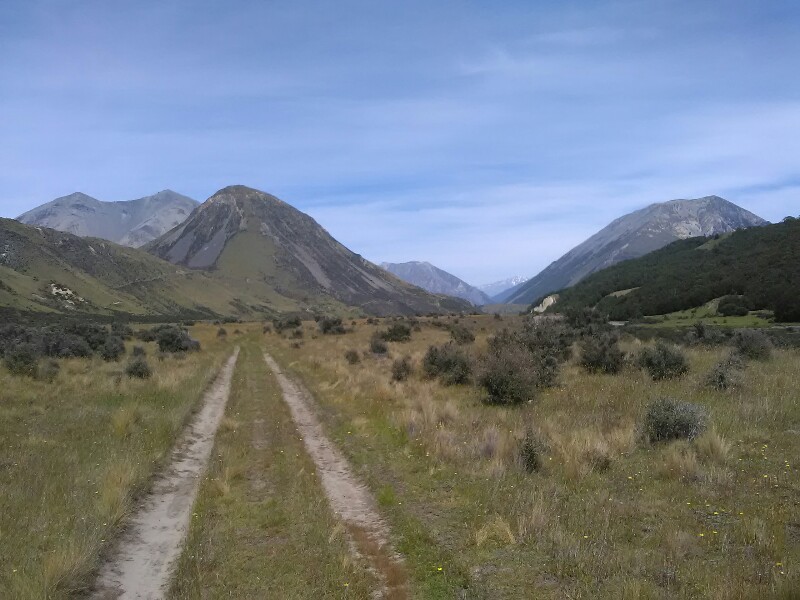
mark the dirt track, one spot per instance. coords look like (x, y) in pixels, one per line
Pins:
(141, 564)
(349, 500)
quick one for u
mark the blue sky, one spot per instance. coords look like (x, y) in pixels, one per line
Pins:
(485, 137)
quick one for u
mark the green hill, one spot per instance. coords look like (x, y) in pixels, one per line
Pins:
(762, 264)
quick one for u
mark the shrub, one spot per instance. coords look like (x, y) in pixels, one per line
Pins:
(509, 374)
(22, 360)
(449, 363)
(461, 335)
(122, 330)
(94, 334)
(751, 343)
(669, 419)
(601, 354)
(138, 351)
(113, 349)
(397, 332)
(547, 337)
(663, 361)
(147, 335)
(733, 306)
(401, 369)
(331, 326)
(531, 452)
(352, 357)
(139, 369)
(48, 370)
(542, 360)
(288, 322)
(222, 332)
(297, 334)
(174, 339)
(377, 345)
(726, 374)
(266, 329)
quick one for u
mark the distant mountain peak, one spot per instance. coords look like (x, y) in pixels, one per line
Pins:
(437, 281)
(127, 222)
(634, 235)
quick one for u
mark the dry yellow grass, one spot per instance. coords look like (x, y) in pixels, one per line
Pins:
(606, 515)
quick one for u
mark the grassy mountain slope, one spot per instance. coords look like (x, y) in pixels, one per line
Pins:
(436, 281)
(761, 263)
(253, 241)
(48, 271)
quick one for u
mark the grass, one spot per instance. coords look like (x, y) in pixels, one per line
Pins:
(606, 515)
(76, 453)
(262, 526)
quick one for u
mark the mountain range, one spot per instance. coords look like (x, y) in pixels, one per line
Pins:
(635, 235)
(436, 281)
(128, 223)
(496, 289)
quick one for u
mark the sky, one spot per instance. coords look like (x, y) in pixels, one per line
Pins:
(485, 137)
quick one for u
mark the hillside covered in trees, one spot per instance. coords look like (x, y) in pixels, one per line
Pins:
(761, 263)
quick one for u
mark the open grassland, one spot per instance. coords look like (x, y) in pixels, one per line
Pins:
(76, 452)
(262, 527)
(603, 514)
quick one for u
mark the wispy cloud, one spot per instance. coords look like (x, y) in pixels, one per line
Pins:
(485, 139)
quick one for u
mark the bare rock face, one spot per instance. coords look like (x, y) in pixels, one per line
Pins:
(635, 235)
(129, 223)
(249, 235)
(436, 281)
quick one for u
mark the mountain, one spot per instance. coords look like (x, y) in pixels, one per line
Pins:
(436, 281)
(635, 235)
(255, 242)
(129, 223)
(761, 263)
(495, 290)
(52, 272)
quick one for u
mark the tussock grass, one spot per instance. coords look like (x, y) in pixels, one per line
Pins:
(608, 514)
(76, 453)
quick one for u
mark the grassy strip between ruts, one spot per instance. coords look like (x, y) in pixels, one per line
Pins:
(74, 454)
(605, 515)
(262, 527)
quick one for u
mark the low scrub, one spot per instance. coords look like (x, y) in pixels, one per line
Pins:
(113, 349)
(402, 368)
(726, 374)
(331, 326)
(461, 335)
(377, 345)
(352, 357)
(510, 374)
(138, 368)
(22, 360)
(663, 361)
(752, 343)
(670, 419)
(601, 354)
(175, 339)
(449, 363)
(397, 332)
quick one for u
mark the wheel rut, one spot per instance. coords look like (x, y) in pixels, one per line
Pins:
(141, 563)
(349, 499)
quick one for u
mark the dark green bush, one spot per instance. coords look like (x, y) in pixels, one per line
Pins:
(544, 336)
(174, 339)
(669, 419)
(22, 360)
(122, 330)
(461, 335)
(287, 322)
(733, 306)
(296, 334)
(377, 345)
(138, 351)
(402, 368)
(752, 343)
(509, 373)
(397, 332)
(601, 354)
(726, 374)
(352, 357)
(449, 363)
(139, 369)
(531, 452)
(331, 326)
(113, 349)
(663, 361)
